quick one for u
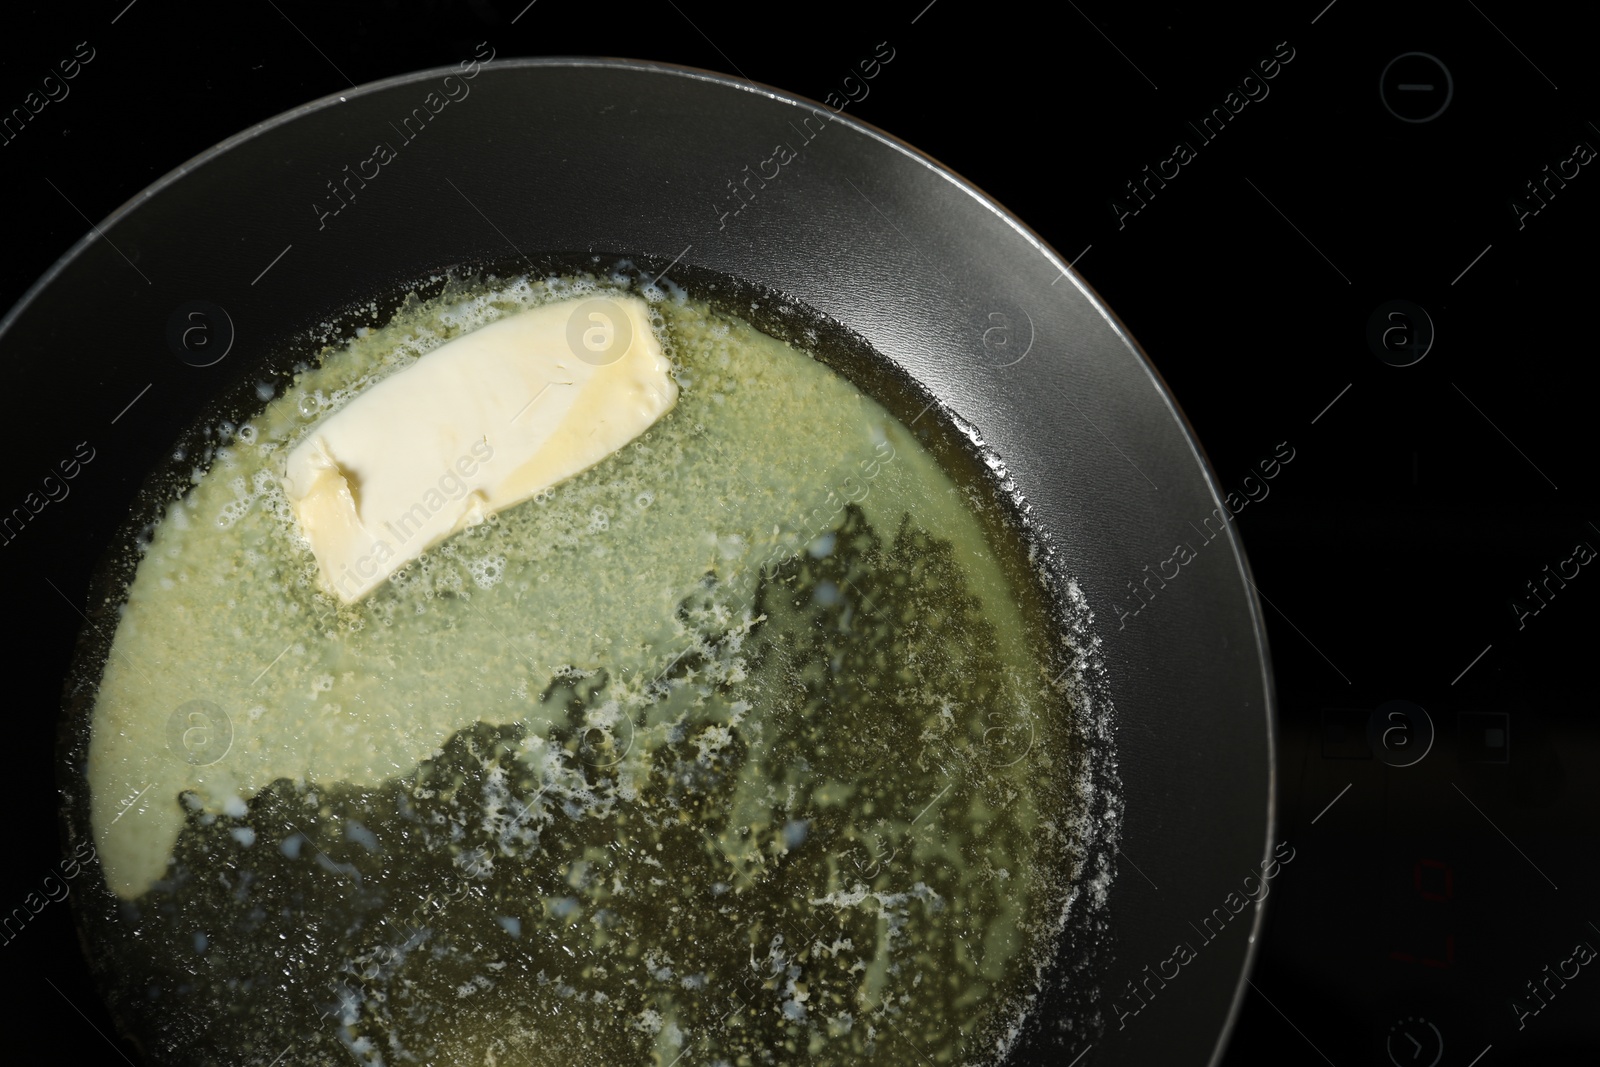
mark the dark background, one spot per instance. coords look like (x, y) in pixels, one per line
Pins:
(1389, 552)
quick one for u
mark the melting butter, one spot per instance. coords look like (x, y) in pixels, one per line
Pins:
(232, 666)
(777, 575)
(484, 422)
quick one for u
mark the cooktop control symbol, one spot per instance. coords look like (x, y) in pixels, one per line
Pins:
(1400, 733)
(1416, 87)
(1414, 1042)
(1485, 736)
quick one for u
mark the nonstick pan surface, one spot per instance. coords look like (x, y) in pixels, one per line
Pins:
(655, 163)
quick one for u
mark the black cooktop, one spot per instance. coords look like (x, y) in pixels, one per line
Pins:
(1355, 240)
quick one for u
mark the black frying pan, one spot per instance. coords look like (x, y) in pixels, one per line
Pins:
(651, 162)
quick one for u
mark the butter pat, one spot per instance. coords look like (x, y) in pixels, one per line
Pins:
(478, 425)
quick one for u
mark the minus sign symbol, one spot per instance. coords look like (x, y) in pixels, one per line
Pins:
(1416, 87)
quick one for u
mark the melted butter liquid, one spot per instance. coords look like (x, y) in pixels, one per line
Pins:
(740, 747)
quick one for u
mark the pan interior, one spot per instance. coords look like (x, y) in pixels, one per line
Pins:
(882, 866)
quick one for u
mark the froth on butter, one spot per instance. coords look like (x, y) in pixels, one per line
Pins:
(480, 424)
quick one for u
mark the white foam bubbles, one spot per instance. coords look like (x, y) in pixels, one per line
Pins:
(487, 571)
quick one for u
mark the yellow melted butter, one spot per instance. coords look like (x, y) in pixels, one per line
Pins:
(764, 446)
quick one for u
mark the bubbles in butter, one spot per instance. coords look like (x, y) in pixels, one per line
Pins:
(743, 746)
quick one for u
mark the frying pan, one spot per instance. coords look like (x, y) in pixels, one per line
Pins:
(655, 162)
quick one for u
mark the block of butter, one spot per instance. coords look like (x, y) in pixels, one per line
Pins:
(481, 423)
